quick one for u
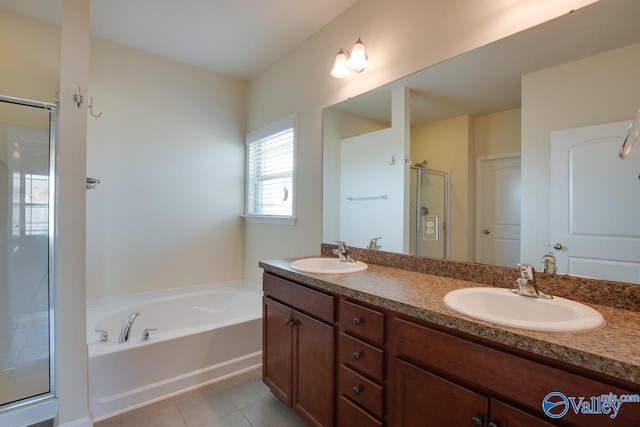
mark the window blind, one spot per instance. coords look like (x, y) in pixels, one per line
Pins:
(270, 170)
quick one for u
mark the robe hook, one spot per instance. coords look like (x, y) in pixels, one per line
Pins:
(91, 108)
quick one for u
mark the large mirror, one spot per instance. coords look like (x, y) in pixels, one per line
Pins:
(500, 155)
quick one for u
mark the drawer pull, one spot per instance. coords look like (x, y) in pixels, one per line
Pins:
(357, 355)
(476, 422)
(357, 321)
(357, 389)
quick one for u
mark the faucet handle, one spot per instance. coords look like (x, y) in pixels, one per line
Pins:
(145, 334)
(104, 336)
(526, 271)
(373, 243)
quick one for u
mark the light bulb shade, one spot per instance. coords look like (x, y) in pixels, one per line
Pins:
(358, 60)
(340, 68)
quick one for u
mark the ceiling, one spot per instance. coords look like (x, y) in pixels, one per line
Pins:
(239, 38)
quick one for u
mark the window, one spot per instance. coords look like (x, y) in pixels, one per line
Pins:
(270, 173)
(30, 204)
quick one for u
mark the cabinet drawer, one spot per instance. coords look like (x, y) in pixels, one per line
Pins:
(300, 297)
(361, 390)
(361, 356)
(362, 322)
(350, 415)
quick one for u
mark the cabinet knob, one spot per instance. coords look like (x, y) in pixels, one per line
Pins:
(357, 355)
(290, 322)
(357, 389)
(492, 425)
(357, 321)
(476, 422)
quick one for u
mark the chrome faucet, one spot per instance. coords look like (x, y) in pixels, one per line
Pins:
(526, 285)
(343, 252)
(126, 327)
(373, 244)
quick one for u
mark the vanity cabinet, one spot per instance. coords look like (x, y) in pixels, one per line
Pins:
(334, 360)
(298, 348)
(360, 365)
(443, 379)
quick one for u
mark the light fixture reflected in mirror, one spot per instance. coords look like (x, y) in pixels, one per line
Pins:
(346, 63)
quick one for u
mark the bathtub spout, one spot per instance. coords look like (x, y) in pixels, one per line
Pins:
(126, 327)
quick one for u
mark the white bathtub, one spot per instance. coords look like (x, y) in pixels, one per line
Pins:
(205, 333)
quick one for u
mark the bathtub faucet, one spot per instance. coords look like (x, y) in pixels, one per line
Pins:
(126, 327)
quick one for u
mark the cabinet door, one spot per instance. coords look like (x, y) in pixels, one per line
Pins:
(313, 370)
(422, 398)
(277, 356)
(503, 415)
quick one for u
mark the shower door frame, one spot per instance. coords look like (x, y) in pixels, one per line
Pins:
(53, 146)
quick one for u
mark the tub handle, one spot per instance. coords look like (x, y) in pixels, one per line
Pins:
(104, 336)
(145, 334)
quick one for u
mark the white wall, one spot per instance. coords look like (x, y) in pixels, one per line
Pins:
(401, 37)
(497, 133)
(600, 89)
(169, 151)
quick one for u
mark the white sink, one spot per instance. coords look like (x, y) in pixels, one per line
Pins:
(326, 265)
(502, 307)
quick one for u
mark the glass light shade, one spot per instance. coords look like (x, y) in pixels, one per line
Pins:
(358, 60)
(340, 68)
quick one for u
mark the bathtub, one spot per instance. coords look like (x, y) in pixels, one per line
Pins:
(204, 334)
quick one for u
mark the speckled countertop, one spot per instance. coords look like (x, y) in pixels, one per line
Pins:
(612, 350)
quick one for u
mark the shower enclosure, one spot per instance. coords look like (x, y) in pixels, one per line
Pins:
(429, 212)
(27, 147)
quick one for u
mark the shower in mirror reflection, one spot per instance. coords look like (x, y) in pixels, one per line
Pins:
(429, 202)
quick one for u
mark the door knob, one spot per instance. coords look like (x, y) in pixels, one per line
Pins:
(557, 246)
(486, 231)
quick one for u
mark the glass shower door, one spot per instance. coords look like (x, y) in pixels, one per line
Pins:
(25, 246)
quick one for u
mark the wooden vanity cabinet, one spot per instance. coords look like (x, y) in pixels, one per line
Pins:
(443, 379)
(363, 366)
(298, 348)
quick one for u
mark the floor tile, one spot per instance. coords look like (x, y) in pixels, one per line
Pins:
(161, 414)
(205, 408)
(245, 393)
(110, 422)
(270, 412)
(240, 401)
(233, 420)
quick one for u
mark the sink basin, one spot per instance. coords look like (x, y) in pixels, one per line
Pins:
(326, 265)
(502, 307)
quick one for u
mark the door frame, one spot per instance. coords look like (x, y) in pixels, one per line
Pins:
(481, 163)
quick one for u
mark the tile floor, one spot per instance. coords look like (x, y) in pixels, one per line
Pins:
(241, 401)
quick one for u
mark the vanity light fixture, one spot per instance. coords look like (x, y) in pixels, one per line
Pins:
(346, 63)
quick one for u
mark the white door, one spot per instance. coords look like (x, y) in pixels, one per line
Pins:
(595, 204)
(498, 231)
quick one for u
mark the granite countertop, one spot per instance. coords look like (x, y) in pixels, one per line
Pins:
(611, 350)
